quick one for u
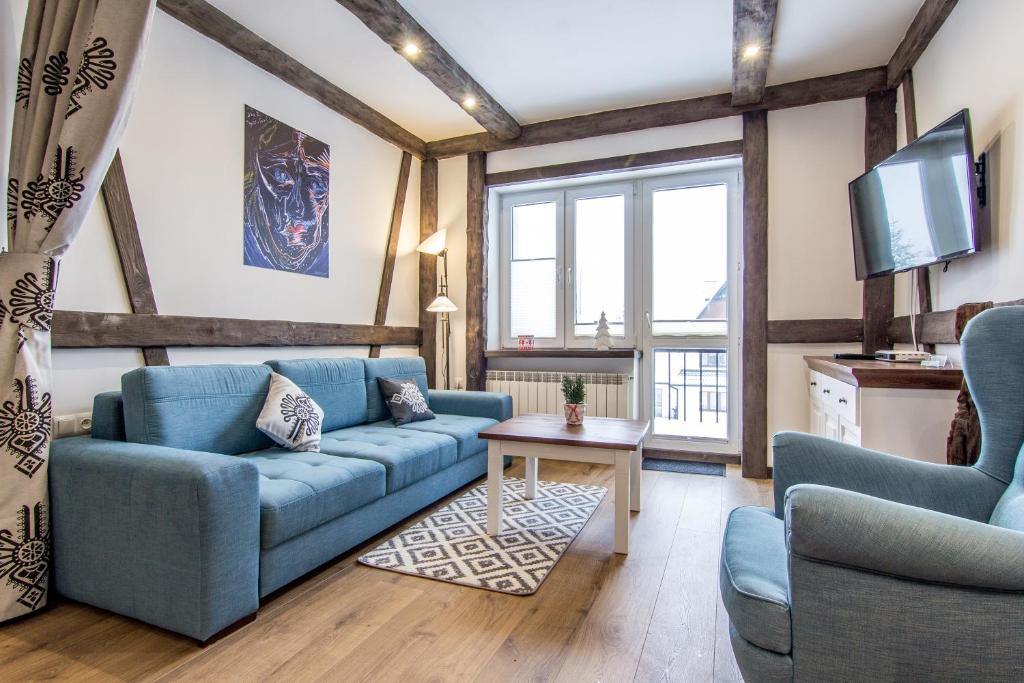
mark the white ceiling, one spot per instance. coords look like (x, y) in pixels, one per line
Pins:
(544, 59)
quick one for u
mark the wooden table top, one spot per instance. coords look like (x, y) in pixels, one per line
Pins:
(595, 432)
(885, 374)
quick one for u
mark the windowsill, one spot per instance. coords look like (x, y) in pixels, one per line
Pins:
(564, 353)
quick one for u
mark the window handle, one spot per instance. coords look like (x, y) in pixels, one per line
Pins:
(650, 325)
(568, 276)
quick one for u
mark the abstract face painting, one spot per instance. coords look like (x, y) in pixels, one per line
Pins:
(287, 188)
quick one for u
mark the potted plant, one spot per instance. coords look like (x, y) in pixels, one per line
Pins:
(575, 394)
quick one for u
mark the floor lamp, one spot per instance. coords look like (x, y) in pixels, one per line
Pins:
(435, 246)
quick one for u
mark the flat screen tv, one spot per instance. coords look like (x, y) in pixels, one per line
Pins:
(918, 207)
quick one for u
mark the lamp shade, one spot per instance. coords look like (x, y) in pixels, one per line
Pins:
(442, 304)
(434, 244)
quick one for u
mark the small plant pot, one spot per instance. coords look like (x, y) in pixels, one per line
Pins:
(574, 413)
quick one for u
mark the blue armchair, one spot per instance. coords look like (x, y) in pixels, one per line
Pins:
(876, 567)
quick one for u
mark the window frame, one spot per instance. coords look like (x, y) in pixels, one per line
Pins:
(508, 202)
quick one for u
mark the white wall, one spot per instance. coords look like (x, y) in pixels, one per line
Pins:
(182, 154)
(974, 61)
(813, 153)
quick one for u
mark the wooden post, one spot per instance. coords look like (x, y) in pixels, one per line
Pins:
(428, 268)
(125, 230)
(476, 271)
(879, 143)
(391, 252)
(754, 462)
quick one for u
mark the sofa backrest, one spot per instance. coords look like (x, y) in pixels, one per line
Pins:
(338, 385)
(403, 368)
(203, 407)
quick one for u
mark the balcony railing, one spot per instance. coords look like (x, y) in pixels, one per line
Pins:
(692, 398)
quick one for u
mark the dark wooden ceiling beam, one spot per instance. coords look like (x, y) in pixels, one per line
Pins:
(842, 86)
(753, 23)
(926, 24)
(83, 329)
(219, 27)
(396, 27)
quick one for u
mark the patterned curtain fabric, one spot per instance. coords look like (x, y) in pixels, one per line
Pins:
(78, 66)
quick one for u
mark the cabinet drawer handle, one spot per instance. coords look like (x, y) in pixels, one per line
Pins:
(842, 400)
(814, 384)
(826, 391)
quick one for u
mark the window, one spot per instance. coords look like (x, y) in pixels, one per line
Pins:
(565, 259)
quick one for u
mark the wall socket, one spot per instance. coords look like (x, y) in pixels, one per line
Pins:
(78, 424)
(460, 383)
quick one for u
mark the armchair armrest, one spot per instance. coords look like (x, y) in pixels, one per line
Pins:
(472, 403)
(805, 459)
(164, 535)
(862, 532)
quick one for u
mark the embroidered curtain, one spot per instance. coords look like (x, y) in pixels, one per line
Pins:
(77, 69)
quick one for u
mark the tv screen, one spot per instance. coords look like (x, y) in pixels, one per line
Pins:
(917, 207)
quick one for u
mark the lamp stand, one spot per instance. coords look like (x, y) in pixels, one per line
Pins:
(446, 329)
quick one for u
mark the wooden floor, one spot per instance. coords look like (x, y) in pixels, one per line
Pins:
(651, 616)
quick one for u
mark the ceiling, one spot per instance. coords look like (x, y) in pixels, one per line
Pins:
(545, 59)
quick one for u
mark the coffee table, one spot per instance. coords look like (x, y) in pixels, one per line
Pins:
(605, 440)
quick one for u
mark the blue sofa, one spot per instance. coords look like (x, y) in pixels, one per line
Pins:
(177, 511)
(875, 567)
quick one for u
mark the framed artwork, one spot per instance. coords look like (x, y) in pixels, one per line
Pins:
(286, 185)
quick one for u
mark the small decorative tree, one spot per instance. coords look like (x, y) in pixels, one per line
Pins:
(575, 393)
(603, 338)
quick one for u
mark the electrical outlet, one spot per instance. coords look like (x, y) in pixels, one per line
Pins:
(64, 426)
(72, 425)
(460, 383)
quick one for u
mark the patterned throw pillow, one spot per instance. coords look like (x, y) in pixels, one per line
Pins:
(290, 417)
(405, 400)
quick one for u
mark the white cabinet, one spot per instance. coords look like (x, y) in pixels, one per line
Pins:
(882, 406)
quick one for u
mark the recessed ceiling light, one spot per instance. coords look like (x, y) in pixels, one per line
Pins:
(751, 51)
(469, 102)
(411, 49)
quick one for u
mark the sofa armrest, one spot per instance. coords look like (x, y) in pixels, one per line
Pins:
(472, 403)
(805, 459)
(851, 529)
(167, 536)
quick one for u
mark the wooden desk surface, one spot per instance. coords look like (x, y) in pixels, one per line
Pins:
(595, 432)
(886, 375)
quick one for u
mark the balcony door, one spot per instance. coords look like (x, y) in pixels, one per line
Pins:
(690, 309)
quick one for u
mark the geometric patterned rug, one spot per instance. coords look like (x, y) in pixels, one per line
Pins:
(453, 545)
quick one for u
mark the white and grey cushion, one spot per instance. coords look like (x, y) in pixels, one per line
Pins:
(290, 417)
(404, 399)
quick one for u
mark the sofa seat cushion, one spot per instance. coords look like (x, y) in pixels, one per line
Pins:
(754, 578)
(408, 456)
(462, 428)
(302, 490)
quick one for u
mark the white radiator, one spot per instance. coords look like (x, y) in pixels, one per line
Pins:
(608, 394)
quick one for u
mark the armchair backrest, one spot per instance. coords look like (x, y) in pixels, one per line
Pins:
(995, 376)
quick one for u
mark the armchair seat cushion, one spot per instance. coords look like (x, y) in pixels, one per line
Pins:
(463, 428)
(754, 578)
(408, 456)
(302, 490)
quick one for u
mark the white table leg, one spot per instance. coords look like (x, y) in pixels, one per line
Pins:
(531, 477)
(635, 475)
(622, 467)
(495, 487)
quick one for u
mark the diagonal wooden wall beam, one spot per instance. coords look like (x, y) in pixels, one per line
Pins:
(753, 24)
(125, 228)
(387, 274)
(206, 19)
(396, 27)
(428, 268)
(926, 24)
